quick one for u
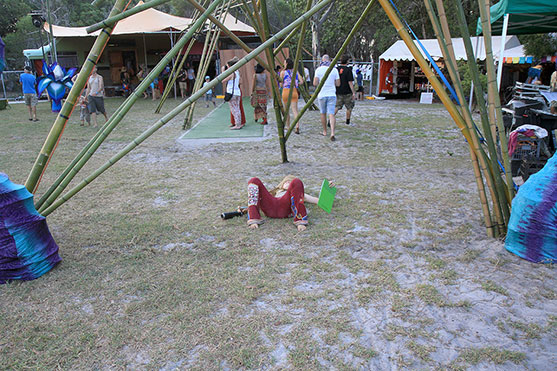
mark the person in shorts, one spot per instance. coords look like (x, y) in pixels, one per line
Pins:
(209, 93)
(28, 82)
(84, 110)
(95, 95)
(346, 94)
(327, 96)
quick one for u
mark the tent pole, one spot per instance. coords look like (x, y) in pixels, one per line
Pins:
(502, 53)
(3, 85)
(378, 75)
(53, 46)
(145, 55)
(173, 60)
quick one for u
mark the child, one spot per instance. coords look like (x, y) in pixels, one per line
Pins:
(209, 93)
(84, 114)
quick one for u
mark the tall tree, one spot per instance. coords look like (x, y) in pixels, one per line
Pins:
(10, 12)
(539, 45)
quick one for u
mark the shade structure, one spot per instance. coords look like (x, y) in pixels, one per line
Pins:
(27, 249)
(526, 17)
(532, 231)
(148, 21)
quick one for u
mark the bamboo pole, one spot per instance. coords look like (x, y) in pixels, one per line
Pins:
(209, 47)
(439, 89)
(57, 128)
(111, 20)
(294, 76)
(340, 52)
(176, 68)
(285, 41)
(495, 183)
(169, 116)
(445, 42)
(277, 99)
(76, 165)
(230, 34)
(494, 94)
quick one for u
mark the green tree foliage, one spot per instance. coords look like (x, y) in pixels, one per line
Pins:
(466, 77)
(377, 33)
(10, 12)
(539, 45)
(25, 36)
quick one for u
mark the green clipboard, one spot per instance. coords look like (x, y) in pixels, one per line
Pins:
(326, 196)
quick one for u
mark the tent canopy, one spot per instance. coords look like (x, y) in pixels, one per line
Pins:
(526, 17)
(398, 51)
(148, 21)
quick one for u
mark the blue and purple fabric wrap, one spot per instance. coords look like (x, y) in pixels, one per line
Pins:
(532, 231)
(27, 249)
(2, 55)
(55, 80)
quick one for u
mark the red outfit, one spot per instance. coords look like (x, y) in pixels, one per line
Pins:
(289, 204)
(237, 108)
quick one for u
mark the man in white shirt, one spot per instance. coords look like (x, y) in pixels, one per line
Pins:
(327, 96)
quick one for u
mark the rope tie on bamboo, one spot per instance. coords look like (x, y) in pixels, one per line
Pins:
(92, 61)
(105, 31)
(64, 117)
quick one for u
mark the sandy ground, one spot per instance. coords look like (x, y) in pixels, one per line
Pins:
(400, 276)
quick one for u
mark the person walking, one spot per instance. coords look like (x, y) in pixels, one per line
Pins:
(232, 83)
(327, 96)
(209, 93)
(140, 76)
(346, 94)
(95, 95)
(259, 94)
(360, 83)
(191, 79)
(183, 83)
(28, 81)
(286, 84)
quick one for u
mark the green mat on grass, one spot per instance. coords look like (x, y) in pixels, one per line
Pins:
(217, 124)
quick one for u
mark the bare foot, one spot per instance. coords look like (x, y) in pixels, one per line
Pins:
(301, 228)
(253, 226)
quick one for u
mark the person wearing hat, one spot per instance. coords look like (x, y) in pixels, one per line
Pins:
(28, 81)
(209, 93)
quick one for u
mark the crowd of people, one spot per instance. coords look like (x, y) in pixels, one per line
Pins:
(341, 88)
(338, 91)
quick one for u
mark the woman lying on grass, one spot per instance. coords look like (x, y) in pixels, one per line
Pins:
(285, 200)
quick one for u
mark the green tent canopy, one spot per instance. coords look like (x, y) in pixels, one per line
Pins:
(526, 17)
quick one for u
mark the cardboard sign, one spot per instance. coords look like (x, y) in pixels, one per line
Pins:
(426, 98)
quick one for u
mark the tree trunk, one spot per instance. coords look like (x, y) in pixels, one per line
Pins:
(315, 46)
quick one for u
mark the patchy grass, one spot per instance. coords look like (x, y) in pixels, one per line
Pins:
(152, 278)
(489, 285)
(474, 356)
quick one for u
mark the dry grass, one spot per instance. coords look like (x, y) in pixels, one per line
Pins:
(400, 275)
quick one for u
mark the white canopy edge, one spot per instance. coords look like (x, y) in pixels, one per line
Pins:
(399, 52)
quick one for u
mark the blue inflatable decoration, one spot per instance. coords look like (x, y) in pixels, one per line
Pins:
(55, 80)
(532, 231)
(27, 249)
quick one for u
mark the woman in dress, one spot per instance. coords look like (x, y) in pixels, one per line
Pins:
(259, 94)
(232, 83)
(286, 84)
